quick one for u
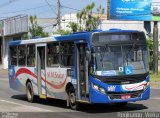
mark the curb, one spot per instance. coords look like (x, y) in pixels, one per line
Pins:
(155, 88)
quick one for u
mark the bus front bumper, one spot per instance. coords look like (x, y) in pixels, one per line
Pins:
(98, 97)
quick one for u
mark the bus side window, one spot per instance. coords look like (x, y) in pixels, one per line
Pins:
(67, 54)
(31, 55)
(22, 55)
(53, 54)
(13, 55)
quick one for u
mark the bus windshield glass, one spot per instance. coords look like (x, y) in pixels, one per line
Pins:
(121, 59)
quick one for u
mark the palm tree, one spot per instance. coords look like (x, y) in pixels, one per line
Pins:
(86, 19)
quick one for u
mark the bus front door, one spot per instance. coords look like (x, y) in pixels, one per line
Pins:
(82, 72)
(41, 61)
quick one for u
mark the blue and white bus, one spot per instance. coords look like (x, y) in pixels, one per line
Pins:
(90, 67)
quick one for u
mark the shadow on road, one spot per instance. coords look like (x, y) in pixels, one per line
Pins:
(48, 101)
(87, 108)
(109, 108)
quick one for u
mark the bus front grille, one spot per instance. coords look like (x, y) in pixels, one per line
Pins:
(117, 95)
(122, 81)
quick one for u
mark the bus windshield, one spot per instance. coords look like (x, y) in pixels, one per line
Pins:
(114, 60)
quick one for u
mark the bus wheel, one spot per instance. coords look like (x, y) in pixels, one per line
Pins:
(72, 99)
(29, 92)
(121, 104)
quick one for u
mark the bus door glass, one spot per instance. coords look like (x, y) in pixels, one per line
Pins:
(82, 70)
(41, 64)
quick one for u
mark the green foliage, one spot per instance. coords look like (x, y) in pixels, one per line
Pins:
(25, 36)
(36, 30)
(154, 77)
(62, 32)
(150, 45)
(73, 26)
(86, 19)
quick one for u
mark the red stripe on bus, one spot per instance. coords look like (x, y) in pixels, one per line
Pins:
(25, 70)
(135, 86)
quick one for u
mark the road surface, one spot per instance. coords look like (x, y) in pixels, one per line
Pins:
(15, 103)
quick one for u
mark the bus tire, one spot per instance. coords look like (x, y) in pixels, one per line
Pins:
(29, 92)
(74, 105)
(121, 104)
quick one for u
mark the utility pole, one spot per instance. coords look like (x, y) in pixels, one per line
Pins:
(155, 47)
(59, 15)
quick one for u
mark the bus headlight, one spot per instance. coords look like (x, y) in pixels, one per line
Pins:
(96, 87)
(100, 89)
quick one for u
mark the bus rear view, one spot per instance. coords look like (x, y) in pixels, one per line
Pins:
(119, 70)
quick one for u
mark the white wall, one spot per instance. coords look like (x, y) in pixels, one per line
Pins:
(126, 25)
(47, 24)
(5, 52)
(66, 19)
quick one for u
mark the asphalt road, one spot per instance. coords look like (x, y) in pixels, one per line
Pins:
(13, 103)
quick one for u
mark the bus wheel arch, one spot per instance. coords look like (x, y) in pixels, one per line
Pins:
(69, 85)
(70, 90)
(29, 91)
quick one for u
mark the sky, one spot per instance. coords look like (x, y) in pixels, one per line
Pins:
(41, 9)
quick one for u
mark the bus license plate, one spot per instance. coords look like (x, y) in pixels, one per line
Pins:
(124, 97)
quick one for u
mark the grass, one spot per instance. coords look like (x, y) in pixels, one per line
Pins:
(154, 77)
(156, 18)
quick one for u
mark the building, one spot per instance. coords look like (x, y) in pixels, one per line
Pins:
(49, 24)
(14, 28)
(11, 28)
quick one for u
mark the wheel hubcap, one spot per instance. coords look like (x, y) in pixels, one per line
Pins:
(72, 98)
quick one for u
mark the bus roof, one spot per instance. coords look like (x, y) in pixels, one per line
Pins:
(72, 37)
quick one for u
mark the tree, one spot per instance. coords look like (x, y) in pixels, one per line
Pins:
(74, 26)
(62, 32)
(100, 11)
(36, 30)
(151, 58)
(87, 18)
(87, 21)
(150, 45)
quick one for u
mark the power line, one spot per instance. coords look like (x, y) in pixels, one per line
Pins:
(7, 3)
(63, 6)
(49, 25)
(50, 6)
(24, 9)
(33, 8)
(70, 8)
